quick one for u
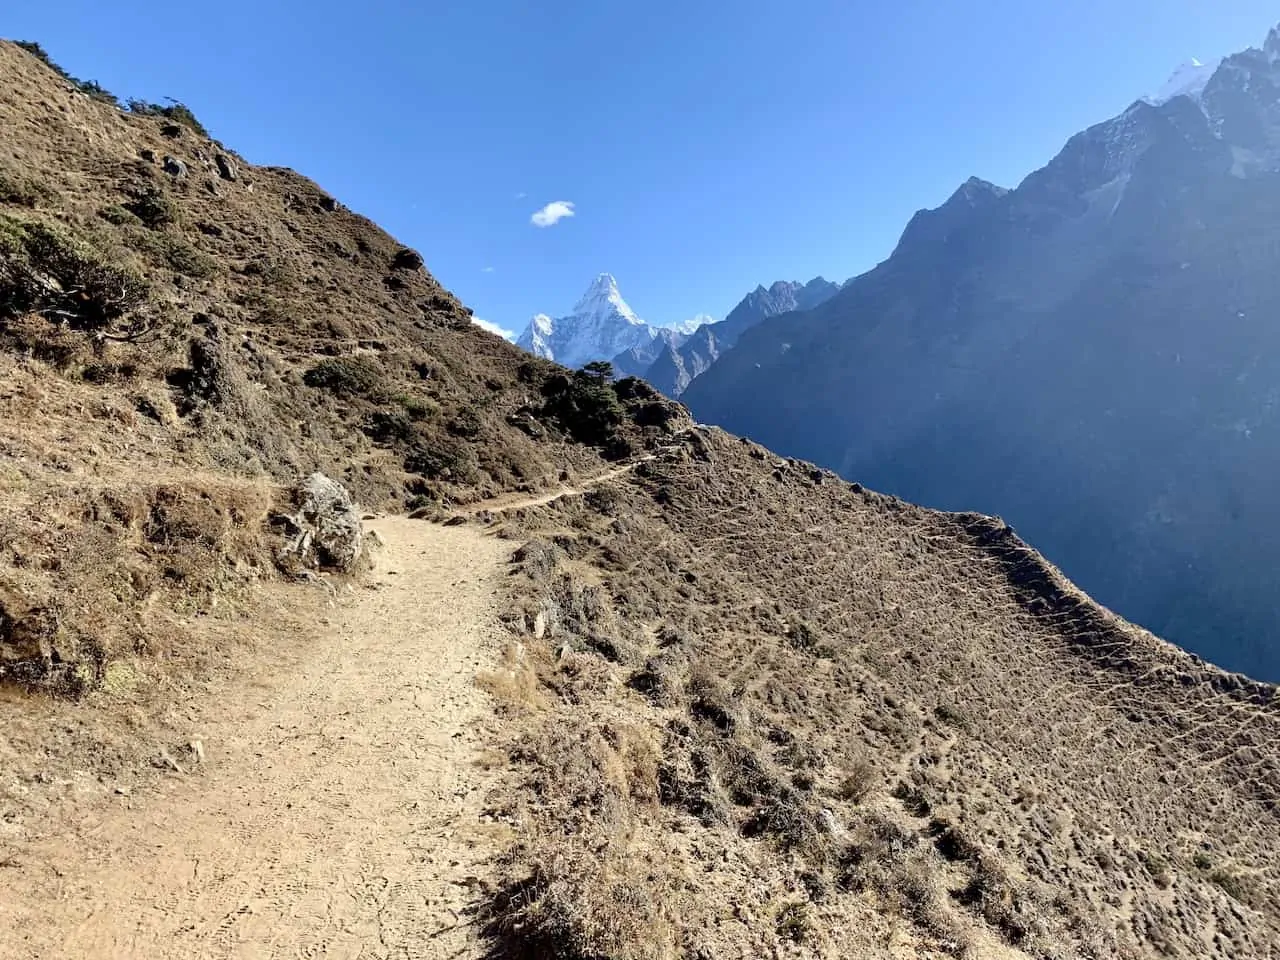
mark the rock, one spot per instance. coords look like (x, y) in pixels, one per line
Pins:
(175, 167)
(226, 167)
(328, 204)
(196, 747)
(327, 529)
(28, 636)
(406, 259)
(148, 155)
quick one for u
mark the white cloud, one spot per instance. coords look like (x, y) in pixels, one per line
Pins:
(494, 328)
(486, 270)
(521, 195)
(552, 213)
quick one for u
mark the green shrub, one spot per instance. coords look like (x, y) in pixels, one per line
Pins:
(174, 110)
(114, 213)
(89, 87)
(442, 460)
(154, 208)
(46, 271)
(23, 191)
(173, 252)
(584, 405)
(346, 376)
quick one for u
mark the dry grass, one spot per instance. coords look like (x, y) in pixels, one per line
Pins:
(179, 350)
(887, 761)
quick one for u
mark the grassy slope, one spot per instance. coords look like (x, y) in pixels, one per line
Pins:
(775, 709)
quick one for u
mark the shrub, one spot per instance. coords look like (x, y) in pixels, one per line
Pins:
(173, 252)
(174, 110)
(45, 271)
(22, 191)
(346, 377)
(794, 923)
(584, 405)
(442, 460)
(118, 215)
(154, 208)
(858, 782)
(90, 88)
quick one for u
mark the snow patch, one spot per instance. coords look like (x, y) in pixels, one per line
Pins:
(1189, 80)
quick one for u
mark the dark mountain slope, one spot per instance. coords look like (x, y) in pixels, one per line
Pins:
(677, 366)
(1092, 356)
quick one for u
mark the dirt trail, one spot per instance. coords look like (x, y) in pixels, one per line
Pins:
(338, 812)
(518, 501)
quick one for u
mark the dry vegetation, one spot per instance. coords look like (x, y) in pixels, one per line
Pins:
(772, 711)
(183, 337)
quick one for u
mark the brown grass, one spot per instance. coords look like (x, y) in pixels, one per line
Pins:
(887, 762)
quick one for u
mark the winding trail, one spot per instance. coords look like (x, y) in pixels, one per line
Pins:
(339, 810)
(519, 501)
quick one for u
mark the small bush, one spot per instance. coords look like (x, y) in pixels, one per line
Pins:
(118, 215)
(858, 782)
(23, 191)
(346, 377)
(174, 110)
(90, 88)
(154, 208)
(46, 271)
(442, 460)
(794, 923)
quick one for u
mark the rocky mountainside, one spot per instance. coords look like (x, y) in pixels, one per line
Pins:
(183, 336)
(1091, 355)
(677, 365)
(746, 708)
(601, 327)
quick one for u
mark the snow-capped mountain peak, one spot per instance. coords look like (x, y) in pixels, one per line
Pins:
(601, 327)
(603, 298)
(1189, 80)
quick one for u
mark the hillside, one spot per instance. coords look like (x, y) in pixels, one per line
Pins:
(727, 704)
(1090, 355)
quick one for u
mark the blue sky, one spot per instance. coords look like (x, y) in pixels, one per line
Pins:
(704, 146)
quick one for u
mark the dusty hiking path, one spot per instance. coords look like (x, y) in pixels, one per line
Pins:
(519, 501)
(339, 810)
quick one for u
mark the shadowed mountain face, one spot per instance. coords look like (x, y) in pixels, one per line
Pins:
(677, 364)
(1094, 356)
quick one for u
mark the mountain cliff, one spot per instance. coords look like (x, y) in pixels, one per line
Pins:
(1091, 355)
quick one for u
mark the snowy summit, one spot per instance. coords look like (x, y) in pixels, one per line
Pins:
(601, 326)
(1189, 80)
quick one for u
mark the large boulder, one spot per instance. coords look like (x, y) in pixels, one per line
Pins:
(325, 528)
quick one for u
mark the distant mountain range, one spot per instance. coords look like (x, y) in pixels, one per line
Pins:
(603, 327)
(1094, 356)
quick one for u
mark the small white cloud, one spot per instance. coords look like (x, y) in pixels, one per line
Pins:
(486, 270)
(521, 195)
(552, 213)
(494, 328)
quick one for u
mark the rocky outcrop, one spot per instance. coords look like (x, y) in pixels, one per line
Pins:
(325, 530)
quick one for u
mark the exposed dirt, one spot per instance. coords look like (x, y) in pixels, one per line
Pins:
(339, 810)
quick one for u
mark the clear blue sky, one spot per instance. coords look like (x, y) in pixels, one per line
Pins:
(707, 145)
